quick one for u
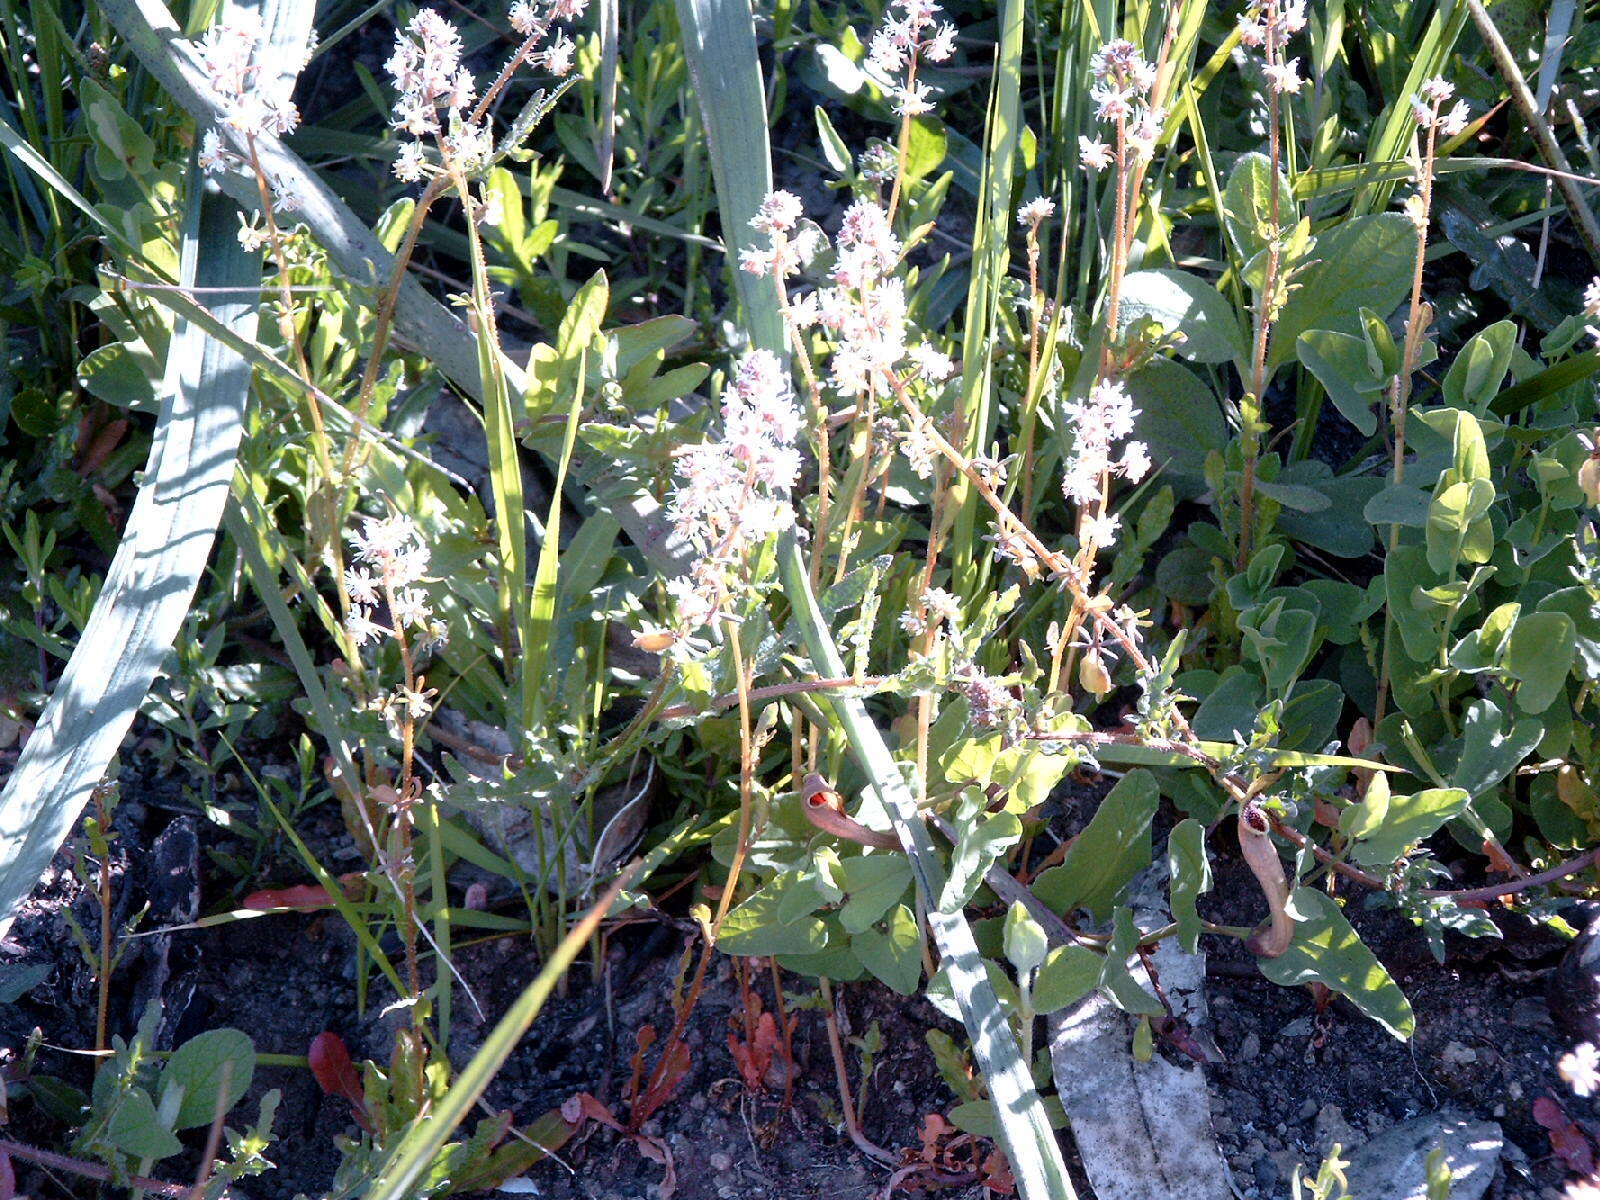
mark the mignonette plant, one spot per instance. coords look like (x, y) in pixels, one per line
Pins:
(865, 567)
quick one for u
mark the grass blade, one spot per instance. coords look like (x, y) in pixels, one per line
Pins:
(158, 564)
(425, 1139)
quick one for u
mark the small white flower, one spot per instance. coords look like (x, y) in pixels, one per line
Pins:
(361, 586)
(1285, 78)
(941, 604)
(410, 163)
(914, 101)
(1095, 156)
(1580, 1067)
(1591, 298)
(1437, 91)
(363, 629)
(941, 45)
(523, 17)
(1456, 120)
(1040, 208)
(1102, 529)
(1135, 464)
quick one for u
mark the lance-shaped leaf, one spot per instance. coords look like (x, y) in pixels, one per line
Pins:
(164, 547)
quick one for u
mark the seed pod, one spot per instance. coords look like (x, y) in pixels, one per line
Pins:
(1589, 479)
(1092, 674)
(653, 641)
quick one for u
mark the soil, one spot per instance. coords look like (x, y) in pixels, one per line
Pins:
(1295, 1078)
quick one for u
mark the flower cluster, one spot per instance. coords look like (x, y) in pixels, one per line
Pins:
(1098, 424)
(1429, 109)
(392, 561)
(255, 100)
(791, 245)
(990, 704)
(1121, 93)
(910, 33)
(437, 91)
(1270, 26)
(732, 493)
(936, 606)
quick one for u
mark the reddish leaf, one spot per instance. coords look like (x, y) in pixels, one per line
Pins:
(1498, 861)
(669, 1073)
(337, 1075)
(1566, 1139)
(754, 1058)
(996, 1173)
(304, 896)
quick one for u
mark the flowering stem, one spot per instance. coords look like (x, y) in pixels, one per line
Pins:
(746, 773)
(385, 320)
(1250, 405)
(1400, 388)
(903, 147)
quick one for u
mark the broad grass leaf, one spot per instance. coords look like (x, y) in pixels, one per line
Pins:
(157, 566)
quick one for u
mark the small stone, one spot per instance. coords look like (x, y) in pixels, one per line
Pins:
(1393, 1164)
(1266, 1175)
(1299, 1027)
(720, 1161)
(1308, 1109)
(1333, 1130)
(1249, 1048)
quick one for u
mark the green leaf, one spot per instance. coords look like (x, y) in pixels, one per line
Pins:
(1183, 303)
(1112, 849)
(1326, 950)
(1247, 204)
(895, 954)
(1365, 262)
(1540, 655)
(873, 882)
(1399, 504)
(198, 1067)
(135, 1128)
(980, 843)
(1068, 975)
(1180, 420)
(18, 979)
(1189, 871)
(1385, 826)
(1480, 368)
(1339, 361)
(753, 927)
(1459, 528)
